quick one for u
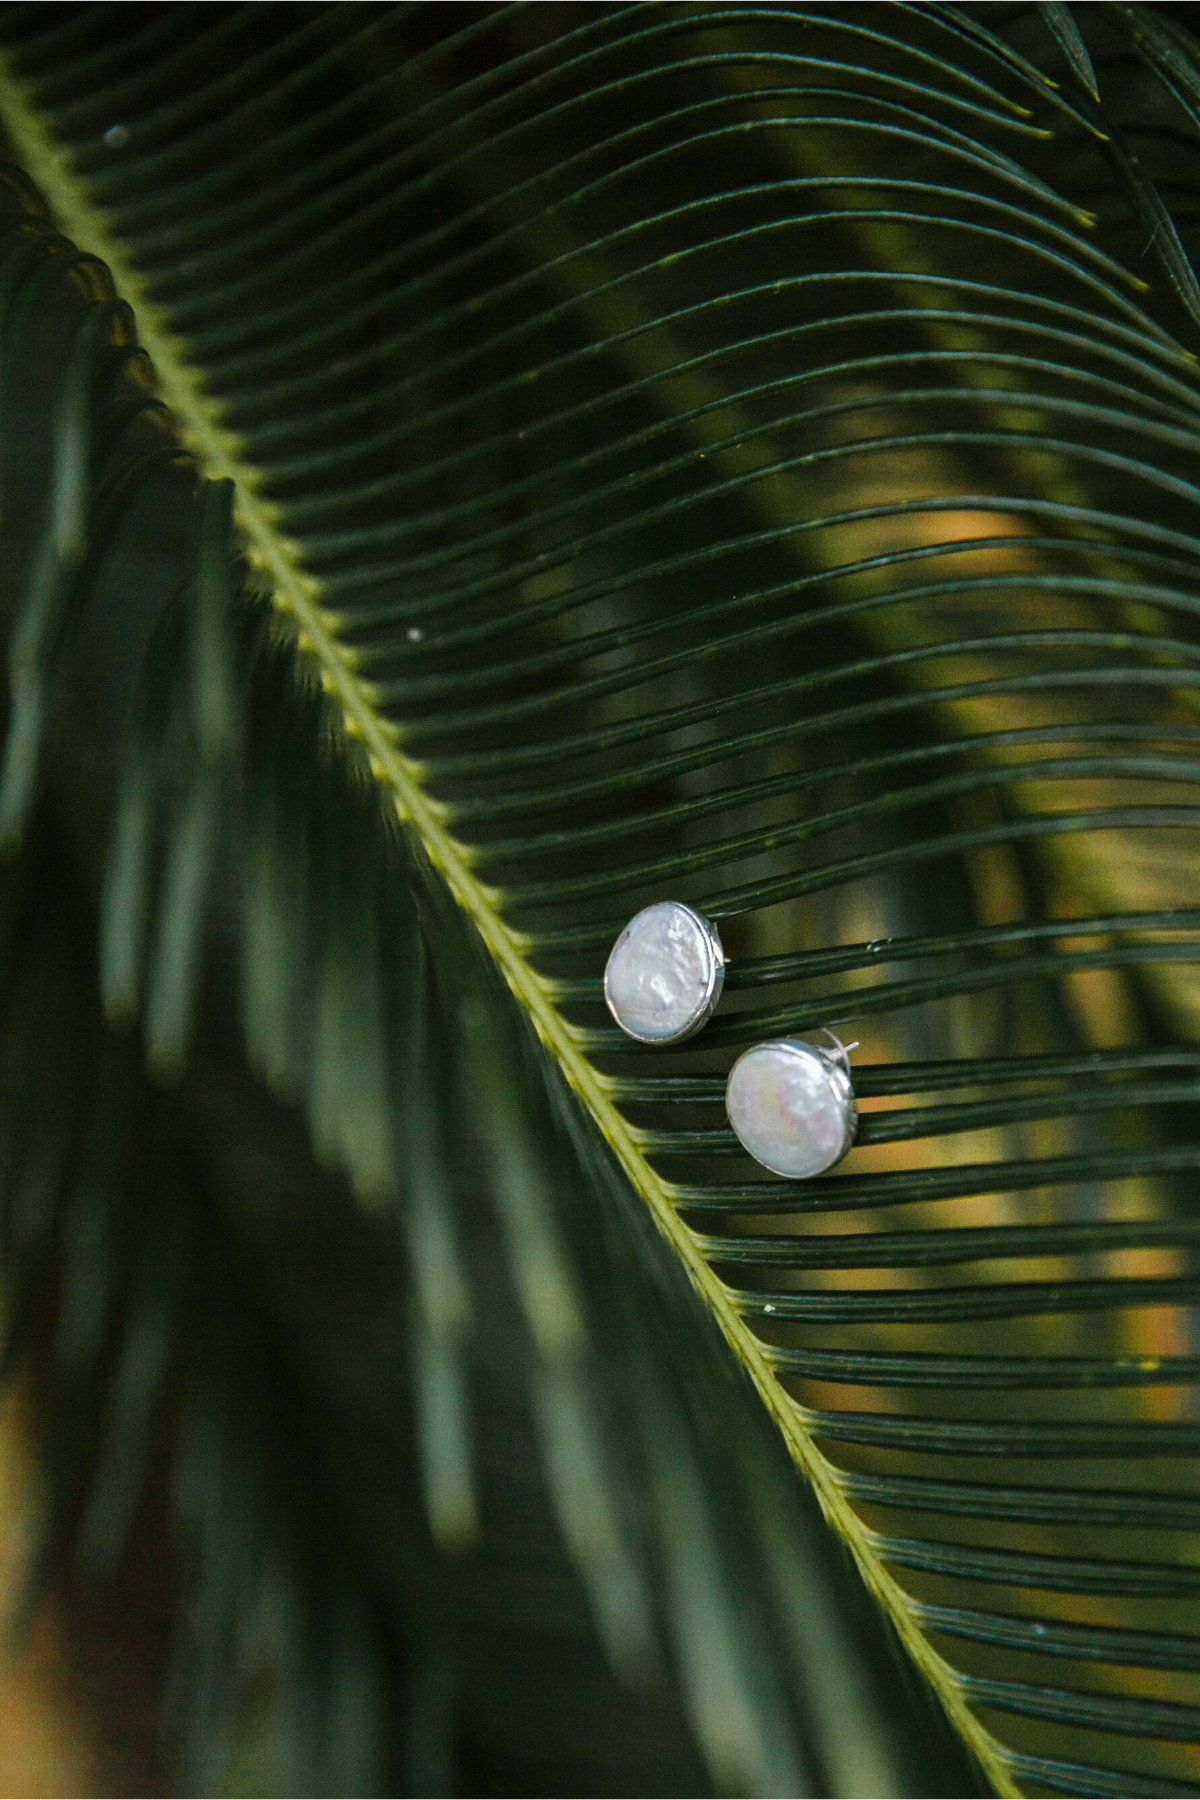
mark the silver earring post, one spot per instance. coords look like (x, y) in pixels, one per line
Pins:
(665, 974)
(792, 1107)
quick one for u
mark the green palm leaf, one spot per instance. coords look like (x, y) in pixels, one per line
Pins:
(729, 453)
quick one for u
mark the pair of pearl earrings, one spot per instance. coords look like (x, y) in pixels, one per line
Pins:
(790, 1103)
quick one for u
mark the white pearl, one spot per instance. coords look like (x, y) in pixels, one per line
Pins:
(792, 1107)
(665, 973)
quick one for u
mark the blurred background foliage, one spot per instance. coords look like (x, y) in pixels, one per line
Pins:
(466, 472)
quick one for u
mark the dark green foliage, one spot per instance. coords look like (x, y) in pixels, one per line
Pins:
(610, 453)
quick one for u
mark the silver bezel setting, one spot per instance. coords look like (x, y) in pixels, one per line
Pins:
(835, 1071)
(713, 984)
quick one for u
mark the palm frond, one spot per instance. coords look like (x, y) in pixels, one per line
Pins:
(725, 452)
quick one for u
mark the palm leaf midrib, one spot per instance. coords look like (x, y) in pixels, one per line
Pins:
(327, 629)
(299, 595)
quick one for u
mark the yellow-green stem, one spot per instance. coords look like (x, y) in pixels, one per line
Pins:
(217, 452)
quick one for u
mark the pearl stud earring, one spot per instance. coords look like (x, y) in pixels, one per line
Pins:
(665, 973)
(792, 1107)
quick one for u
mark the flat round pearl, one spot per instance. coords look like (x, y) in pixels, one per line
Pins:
(665, 973)
(792, 1107)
